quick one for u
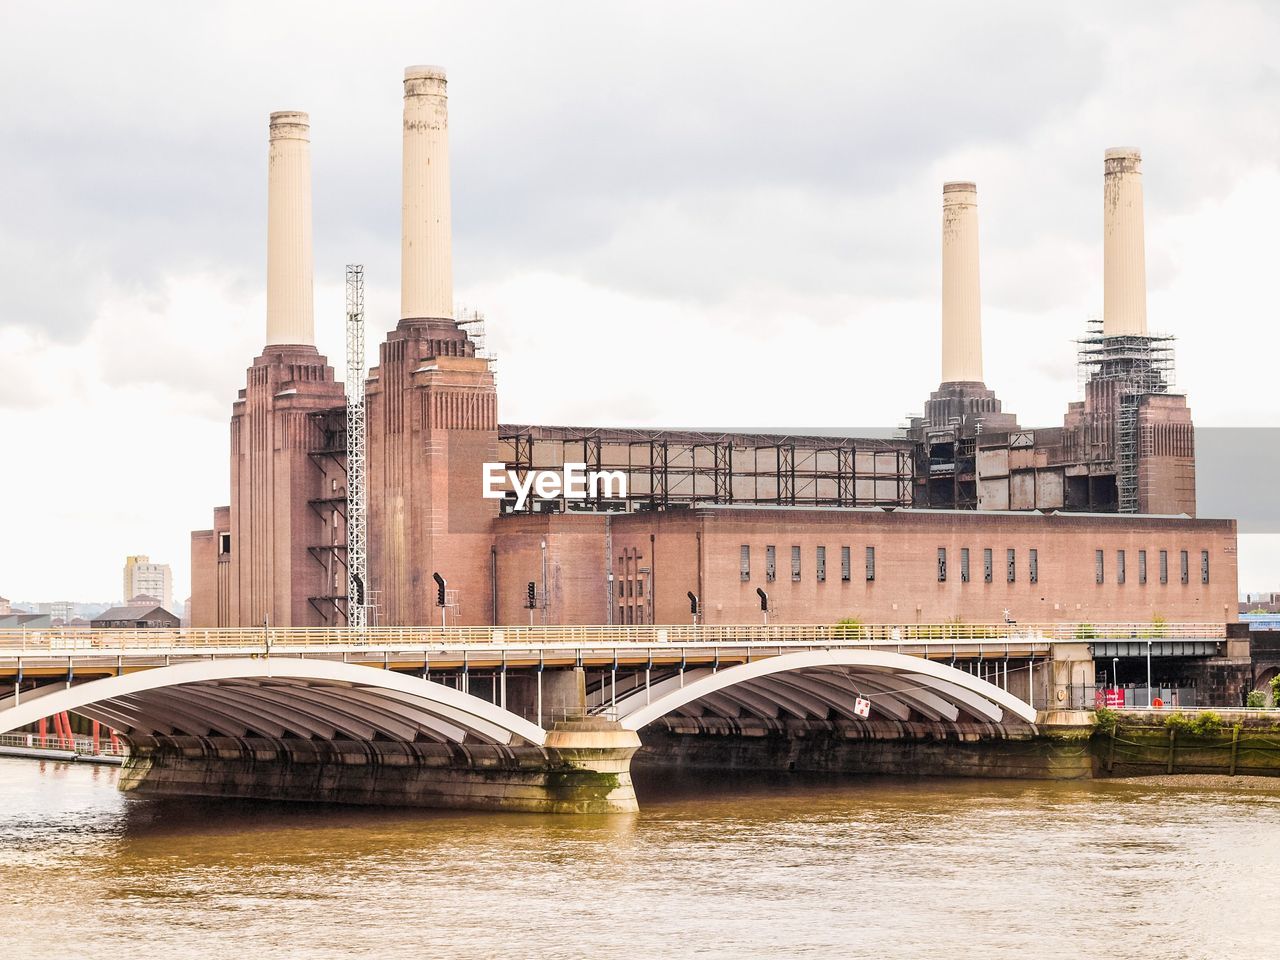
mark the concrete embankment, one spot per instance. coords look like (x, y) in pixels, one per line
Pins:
(67, 756)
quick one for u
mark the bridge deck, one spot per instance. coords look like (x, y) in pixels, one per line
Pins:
(636, 656)
(239, 637)
(87, 653)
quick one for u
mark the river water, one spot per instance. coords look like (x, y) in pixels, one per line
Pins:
(735, 868)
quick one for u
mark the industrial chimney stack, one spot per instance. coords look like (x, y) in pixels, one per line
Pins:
(1124, 266)
(961, 300)
(290, 311)
(962, 406)
(426, 257)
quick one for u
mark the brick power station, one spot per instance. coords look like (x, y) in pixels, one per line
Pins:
(969, 515)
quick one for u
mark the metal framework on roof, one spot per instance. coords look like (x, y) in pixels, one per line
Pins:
(667, 468)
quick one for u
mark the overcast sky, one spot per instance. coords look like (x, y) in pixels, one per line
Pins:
(675, 214)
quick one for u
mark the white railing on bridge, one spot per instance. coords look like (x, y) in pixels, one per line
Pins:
(68, 640)
(81, 746)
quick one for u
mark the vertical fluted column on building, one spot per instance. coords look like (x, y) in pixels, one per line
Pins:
(961, 299)
(290, 310)
(1124, 265)
(426, 257)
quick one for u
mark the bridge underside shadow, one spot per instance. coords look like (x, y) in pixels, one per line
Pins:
(897, 693)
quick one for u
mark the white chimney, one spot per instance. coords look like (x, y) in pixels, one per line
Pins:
(290, 312)
(426, 256)
(961, 300)
(1124, 263)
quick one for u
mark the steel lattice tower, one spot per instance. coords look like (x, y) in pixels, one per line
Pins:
(357, 560)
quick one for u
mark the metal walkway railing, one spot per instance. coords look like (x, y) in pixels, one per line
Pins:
(61, 641)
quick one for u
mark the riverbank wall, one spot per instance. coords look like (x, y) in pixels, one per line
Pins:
(1128, 745)
(1065, 745)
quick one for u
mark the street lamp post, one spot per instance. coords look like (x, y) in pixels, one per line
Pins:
(544, 581)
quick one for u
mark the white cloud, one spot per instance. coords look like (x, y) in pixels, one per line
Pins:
(721, 215)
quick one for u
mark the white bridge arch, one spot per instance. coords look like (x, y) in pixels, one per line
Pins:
(813, 683)
(278, 697)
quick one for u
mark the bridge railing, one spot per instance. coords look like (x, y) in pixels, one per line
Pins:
(83, 746)
(71, 640)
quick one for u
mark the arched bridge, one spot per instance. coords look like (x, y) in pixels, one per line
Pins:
(317, 699)
(510, 718)
(822, 684)
(278, 697)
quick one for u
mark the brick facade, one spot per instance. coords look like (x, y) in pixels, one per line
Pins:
(656, 559)
(433, 422)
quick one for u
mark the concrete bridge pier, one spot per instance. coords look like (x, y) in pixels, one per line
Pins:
(547, 696)
(1072, 674)
(592, 766)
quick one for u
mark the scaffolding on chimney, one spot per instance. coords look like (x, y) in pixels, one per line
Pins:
(1139, 365)
(357, 560)
(472, 323)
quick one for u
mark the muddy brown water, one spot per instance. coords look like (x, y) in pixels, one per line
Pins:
(737, 867)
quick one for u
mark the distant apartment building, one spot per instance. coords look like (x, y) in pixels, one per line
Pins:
(144, 578)
(5, 607)
(60, 610)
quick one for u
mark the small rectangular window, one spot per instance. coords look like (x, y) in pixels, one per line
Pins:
(1142, 566)
(1099, 566)
(640, 587)
(795, 564)
(1204, 566)
(1184, 567)
(1033, 566)
(820, 565)
(1164, 566)
(621, 615)
(1119, 566)
(630, 615)
(846, 565)
(942, 564)
(871, 563)
(224, 543)
(771, 563)
(744, 562)
(964, 564)
(622, 588)
(639, 614)
(986, 565)
(1011, 565)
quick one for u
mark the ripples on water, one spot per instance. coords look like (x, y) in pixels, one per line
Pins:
(723, 867)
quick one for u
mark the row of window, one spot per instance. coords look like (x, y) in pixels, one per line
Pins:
(1184, 566)
(988, 565)
(820, 563)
